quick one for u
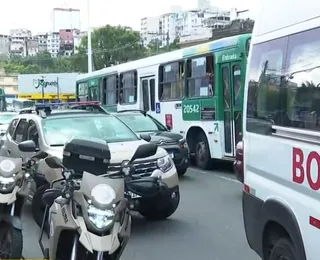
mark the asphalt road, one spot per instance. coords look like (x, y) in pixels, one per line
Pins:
(207, 225)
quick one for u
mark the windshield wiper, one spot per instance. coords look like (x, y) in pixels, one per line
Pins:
(56, 145)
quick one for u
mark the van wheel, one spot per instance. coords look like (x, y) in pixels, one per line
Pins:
(202, 152)
(38, 206)
(283, 250)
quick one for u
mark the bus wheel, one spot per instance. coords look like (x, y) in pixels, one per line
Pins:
(202, 152)
(283, 249)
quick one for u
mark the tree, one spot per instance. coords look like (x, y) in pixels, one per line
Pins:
(154, 47)
(113, 45)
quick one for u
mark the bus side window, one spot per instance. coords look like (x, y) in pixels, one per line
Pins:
(83, 91)
(152, 94)
(171, 85)
(111, 90)
(200, 77)
(128, 87)
(237, 87)
(103, 91)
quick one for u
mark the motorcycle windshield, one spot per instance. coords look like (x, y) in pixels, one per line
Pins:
(89, 181)
(9, 166)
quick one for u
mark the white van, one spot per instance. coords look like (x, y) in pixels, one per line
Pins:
(281, 198)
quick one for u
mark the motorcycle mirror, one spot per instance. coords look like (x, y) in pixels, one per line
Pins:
(144, 150)
(27, 146)
(54, 162)
(50, 195)
(40, 155)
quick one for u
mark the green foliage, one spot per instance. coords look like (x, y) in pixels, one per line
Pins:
(111, 45)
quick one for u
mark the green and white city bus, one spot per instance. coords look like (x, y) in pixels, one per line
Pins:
(196, 91)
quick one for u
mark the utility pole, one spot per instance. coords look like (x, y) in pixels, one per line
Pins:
(168, 40)
(58, 89)
(89, 40)
(41, 81)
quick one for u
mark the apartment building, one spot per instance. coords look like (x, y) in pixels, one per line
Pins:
(42, 41)
(77, 37)
(149, 29)
(18, 41)
(32, 47)
(53, 44)
(65, 18)
(4, 44)
(66, 42)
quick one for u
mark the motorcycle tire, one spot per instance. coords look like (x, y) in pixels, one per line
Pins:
(38, 207)
(16, 245)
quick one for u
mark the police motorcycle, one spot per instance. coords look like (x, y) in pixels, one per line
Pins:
(89, 213)
(15, 182)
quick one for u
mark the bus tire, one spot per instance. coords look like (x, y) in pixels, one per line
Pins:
(283, 249)
(202, 152)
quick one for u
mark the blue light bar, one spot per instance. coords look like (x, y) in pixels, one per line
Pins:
(81, 103)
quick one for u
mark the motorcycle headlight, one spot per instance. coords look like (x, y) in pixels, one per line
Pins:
(7, 166)
(100, 218)
(103, 194)
(7, 182)
(165, 163)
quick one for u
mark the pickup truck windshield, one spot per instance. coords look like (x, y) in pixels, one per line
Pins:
(60, 130)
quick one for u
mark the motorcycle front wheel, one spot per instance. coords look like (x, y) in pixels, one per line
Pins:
(11, 242)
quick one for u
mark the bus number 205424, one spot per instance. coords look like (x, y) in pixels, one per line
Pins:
(191, 109)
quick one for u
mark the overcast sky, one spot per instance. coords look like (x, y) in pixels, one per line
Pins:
(36, 14)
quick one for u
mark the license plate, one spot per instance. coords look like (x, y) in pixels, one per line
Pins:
(171, 155)
(133, 196)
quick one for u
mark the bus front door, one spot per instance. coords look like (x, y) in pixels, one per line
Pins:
(232, 100)
(147, 102)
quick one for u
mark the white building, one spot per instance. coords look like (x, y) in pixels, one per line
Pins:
(53, 44)
(65, 18)
(77, 37)
(18, 41)
(149, 29)
(32, 47)
(167, 29)
(42, 41)
(4, 44)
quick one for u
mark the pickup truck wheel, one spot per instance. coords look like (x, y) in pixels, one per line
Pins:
(283, 249)
(161, 213)
(181, 172)
(38, 207)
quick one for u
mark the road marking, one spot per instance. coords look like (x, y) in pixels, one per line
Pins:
(216, 174)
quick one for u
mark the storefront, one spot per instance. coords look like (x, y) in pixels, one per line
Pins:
(47, 87)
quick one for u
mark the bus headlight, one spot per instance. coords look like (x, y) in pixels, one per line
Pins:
(100, 218)
(165, 163)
